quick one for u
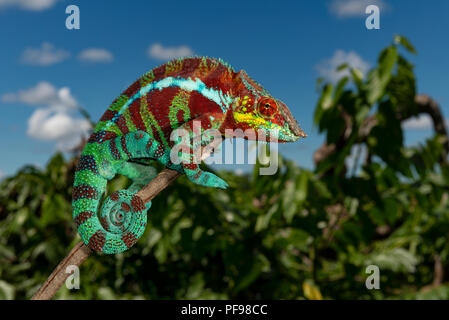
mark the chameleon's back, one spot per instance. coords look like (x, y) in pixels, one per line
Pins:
(131, 112)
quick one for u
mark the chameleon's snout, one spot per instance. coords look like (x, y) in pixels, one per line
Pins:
(292, 123)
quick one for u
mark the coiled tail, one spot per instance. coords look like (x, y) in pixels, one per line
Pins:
(122, 218)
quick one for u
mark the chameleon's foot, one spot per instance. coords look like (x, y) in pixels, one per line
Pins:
(123, 216)
(141, 175)
(206, 179)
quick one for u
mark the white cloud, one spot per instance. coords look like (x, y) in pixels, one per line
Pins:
(44, 93)
(353, 8)
(327, 68)
(421, 122)
(54, 119)
(46, 55)
(61, 127)
(96, 55)
(33, 5)
(160, 52)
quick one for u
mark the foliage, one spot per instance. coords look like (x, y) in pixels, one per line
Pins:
(299, 234)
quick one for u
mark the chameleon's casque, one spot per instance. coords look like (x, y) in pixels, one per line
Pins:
(136, 128)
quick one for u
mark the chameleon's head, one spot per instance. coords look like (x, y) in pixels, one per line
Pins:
(254, 108)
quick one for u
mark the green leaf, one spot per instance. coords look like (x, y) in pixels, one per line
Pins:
(378, 78)
(300, 239)
(402, 88)
(357, 76)
(106, 293)
(258, 264)
(196, 286)
(263, 221)
(342, 67)
(324, 102)
(289, 206)
(7, 291)
(339, 88)
(302, 186)
(395, 259)
(405, 43)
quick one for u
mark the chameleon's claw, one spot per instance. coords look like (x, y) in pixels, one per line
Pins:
(223, 185)
(219, 183)
(207, 179)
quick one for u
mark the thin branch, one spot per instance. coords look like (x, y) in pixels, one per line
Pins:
(81, 252)
(438, 275)
(75, 257)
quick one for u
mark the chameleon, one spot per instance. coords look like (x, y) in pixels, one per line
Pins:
(136, 129)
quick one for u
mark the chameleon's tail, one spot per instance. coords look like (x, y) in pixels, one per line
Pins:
(122, 218)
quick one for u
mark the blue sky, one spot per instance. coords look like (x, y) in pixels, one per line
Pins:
(285, 45)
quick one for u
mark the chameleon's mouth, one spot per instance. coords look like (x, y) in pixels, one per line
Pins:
(292, 123)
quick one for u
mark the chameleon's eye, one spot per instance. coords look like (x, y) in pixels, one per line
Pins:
(267, 107)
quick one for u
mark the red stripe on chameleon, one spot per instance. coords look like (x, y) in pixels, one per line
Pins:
(137, 203)
(125, 147)
(84, 191)
(190, 166)
(132, 89)
(83, 217)
(87, 162)
(108, 115)
(114, 196)
(104, 223)
(136, 116)
(159, 152)
(191, 64)
(96, 242)
(203, 105)
(126, 207)
(215, 79)
(102, 135)
(114, 150)
(129, 239)
(159, 102)
(121, 123)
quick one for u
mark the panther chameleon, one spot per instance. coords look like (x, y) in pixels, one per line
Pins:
(136, 130)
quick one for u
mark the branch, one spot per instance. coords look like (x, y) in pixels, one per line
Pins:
(81, 252)
(438, 274)
(75, 257)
